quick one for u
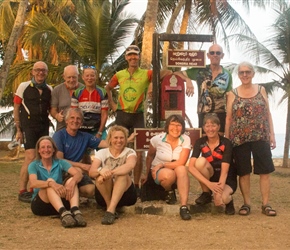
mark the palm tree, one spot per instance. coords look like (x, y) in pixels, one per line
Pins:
(218, 17)
(273, 56)
(54, 32)
(11, 46)
(74, 32)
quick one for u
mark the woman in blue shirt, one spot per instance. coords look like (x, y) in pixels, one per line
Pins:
(51, 196)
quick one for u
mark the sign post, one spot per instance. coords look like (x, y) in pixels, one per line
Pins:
(157, 38)
(186, 58)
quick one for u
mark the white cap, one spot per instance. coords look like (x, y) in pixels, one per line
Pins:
(133, 49)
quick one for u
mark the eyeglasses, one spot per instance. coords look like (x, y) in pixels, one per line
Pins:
(40, 70)
(218, 53)
(89, 67)
(175, 124)
(247, 72)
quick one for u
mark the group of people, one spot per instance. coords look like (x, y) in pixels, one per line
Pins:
(245, 122)
(228, 118)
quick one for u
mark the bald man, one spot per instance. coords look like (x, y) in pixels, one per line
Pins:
(62, 93)
(31, 110)
(213, 83)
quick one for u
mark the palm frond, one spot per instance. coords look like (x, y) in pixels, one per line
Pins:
(7, 17)
(6, 122)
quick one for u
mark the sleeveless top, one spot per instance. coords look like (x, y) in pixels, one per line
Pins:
(249, 119)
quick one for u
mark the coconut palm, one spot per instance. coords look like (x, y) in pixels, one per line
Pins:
(55, 30)
(273, 56)
(84, 32)
(11, 46)
(217, 17)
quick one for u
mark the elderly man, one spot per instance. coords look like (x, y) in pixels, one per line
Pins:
(72, 145)
(62, 93)
(213, 83)
(31, 110)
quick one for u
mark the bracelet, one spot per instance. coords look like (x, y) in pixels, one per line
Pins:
(100, 133)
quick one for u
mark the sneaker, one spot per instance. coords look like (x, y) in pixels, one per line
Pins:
(204, 198)
(67, 220)
(25, 197)
(230, 208)
(108, 218)
(79, 219)
(170, 197)
(184, 213)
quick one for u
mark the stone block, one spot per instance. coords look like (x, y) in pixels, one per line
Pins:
(197, 209)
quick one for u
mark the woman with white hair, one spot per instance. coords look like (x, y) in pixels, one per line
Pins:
(249, 126)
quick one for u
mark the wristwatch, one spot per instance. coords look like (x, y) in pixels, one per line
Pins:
(100, 133)
(99, 169)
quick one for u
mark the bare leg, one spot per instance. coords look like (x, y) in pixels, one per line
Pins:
(121, 184)
(245, 184)
(28, 158)
(87, 191)
(105, 188)
(204, 167)
(265, 188)
(166, 178)
(227, 194)
(182, 184)
(49, 195)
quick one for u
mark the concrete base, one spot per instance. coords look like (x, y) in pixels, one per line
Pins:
(161, 208)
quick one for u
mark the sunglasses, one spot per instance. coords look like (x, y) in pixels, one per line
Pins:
(89, 67)
(218, 53)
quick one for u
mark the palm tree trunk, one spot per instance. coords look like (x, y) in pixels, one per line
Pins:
(185, 20)
(149, 29)
(11, 46)
(169, 30)
(287, 138)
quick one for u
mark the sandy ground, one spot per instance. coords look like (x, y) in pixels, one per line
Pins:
(20, 229)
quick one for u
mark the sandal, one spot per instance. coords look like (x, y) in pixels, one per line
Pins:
(245, 210)
(268, 210)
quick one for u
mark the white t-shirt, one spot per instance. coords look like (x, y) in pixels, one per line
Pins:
(164, 152)
(111, 162)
